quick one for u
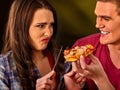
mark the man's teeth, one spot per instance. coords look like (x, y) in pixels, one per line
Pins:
(103, 32)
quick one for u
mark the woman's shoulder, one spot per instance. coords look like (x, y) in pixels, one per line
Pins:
(5, 55)
(5, 58)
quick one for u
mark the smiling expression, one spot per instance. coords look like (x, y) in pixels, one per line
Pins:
(108, 22)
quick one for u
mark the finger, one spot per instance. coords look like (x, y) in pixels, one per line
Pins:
(78, 64)
(44, 78)
(46, 87)
(53, 76)
(74, 66)
(78, 77)
(49, 81)
(69, 74)
(84, 79)
(50, 74)
(43, 87)
(82, 62)
(40, 81)
(93, 58)
(82, 84)
(46, 84)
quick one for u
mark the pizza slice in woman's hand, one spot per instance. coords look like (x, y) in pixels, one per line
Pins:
(74, 53)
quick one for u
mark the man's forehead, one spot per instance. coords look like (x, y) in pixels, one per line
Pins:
(105, 7)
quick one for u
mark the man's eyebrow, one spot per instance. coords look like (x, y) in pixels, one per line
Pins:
(104, 16)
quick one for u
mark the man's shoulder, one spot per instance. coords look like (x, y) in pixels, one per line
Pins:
(90, 39)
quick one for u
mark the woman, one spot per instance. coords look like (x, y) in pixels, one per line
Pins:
(28, 55)
(30, 36)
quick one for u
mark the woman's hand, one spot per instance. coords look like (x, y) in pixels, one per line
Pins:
(46, 82)
(74, 79)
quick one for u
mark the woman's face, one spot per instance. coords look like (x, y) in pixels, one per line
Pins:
(41, 29)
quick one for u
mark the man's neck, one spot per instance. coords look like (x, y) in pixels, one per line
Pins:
(115, 54)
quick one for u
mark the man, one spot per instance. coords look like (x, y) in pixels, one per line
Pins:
(102, 69)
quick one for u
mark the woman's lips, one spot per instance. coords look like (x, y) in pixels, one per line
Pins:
(46, 40)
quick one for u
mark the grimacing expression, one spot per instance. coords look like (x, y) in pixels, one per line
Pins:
(108, 22)
(41, 29)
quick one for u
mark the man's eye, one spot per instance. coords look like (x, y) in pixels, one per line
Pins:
(106, 18)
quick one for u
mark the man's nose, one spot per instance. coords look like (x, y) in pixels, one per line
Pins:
(99, 23)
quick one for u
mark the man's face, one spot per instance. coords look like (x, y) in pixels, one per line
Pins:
(108, 22)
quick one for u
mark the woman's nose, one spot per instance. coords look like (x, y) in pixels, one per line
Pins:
(48, 32)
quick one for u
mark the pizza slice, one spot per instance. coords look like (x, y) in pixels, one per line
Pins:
(74, 53)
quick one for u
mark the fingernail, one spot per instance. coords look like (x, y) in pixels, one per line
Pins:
(81, 74)
(81, 56)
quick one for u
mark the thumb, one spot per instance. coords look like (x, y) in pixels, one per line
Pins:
(74, 66)
(69, 74)
(82, 62)
(50, 74)
(93, 58)
(53, 75)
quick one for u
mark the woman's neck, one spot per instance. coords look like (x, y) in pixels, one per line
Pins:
(37, 56)
(42, 63)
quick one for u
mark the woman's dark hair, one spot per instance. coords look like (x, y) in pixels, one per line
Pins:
(16, 39)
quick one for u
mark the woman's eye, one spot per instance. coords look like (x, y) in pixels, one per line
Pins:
(52, 25)
(40, 25)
